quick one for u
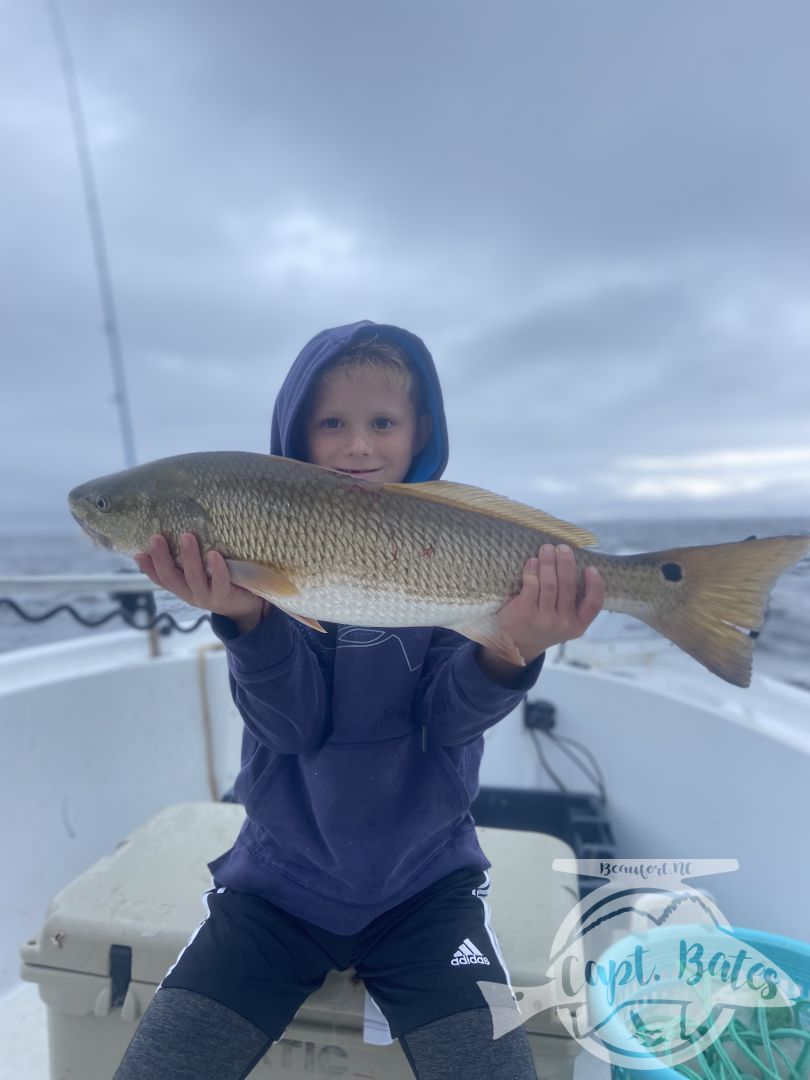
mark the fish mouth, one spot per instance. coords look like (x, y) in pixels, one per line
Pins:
(94, 534)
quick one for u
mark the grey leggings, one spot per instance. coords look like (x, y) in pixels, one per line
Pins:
(185, 1036)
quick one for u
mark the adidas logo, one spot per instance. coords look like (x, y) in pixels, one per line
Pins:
(467, 953)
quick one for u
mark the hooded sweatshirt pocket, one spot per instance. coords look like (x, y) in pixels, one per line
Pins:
(368, 816)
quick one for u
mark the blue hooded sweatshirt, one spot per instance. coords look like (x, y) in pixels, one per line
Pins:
(361, 746)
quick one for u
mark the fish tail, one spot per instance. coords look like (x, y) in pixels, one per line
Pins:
(716, 613)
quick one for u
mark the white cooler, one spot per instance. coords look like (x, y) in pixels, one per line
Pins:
(112, 934)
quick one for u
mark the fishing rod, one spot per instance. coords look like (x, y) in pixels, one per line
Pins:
(96, 227)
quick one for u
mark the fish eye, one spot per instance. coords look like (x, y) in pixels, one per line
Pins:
(102, 504)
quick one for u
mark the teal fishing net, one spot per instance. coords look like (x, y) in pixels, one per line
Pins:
(757, 1044)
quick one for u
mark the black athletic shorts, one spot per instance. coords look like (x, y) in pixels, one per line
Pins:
(419, 961)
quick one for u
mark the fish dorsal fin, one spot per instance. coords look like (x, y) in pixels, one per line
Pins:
(487, 502)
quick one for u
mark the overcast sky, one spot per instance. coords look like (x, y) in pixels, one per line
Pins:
(596, 215)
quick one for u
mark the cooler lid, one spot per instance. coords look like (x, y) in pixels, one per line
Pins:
(529, 899)
(529, 902)
(148, 895)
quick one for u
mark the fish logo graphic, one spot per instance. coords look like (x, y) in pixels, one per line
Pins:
(646, 974)
(366, 637)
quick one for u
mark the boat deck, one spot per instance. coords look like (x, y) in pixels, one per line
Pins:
(652, 718)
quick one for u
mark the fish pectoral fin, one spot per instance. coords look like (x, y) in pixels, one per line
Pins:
(487, 502)
(487, 633)
(260, 579)
(271, 585)
(303, 619)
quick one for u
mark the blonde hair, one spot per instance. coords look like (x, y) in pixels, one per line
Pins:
(381, 357)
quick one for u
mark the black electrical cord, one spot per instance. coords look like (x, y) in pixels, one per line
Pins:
(544, 762)
(168, 622)
(596, 777)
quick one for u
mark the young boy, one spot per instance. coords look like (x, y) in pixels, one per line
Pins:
(360, 758)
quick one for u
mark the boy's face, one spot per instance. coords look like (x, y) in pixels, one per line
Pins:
(361, 426)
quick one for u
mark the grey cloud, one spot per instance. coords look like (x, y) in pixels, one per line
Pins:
(269, 169)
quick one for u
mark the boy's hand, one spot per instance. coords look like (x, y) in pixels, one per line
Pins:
(193, 584)
(545, 612)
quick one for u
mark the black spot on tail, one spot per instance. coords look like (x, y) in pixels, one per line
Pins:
(672, 571)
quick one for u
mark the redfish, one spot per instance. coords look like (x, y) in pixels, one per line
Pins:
(323, 545)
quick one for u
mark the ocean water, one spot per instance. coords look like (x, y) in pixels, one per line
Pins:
(783, 648)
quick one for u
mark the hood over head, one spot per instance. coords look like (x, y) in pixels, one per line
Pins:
(317, 354)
